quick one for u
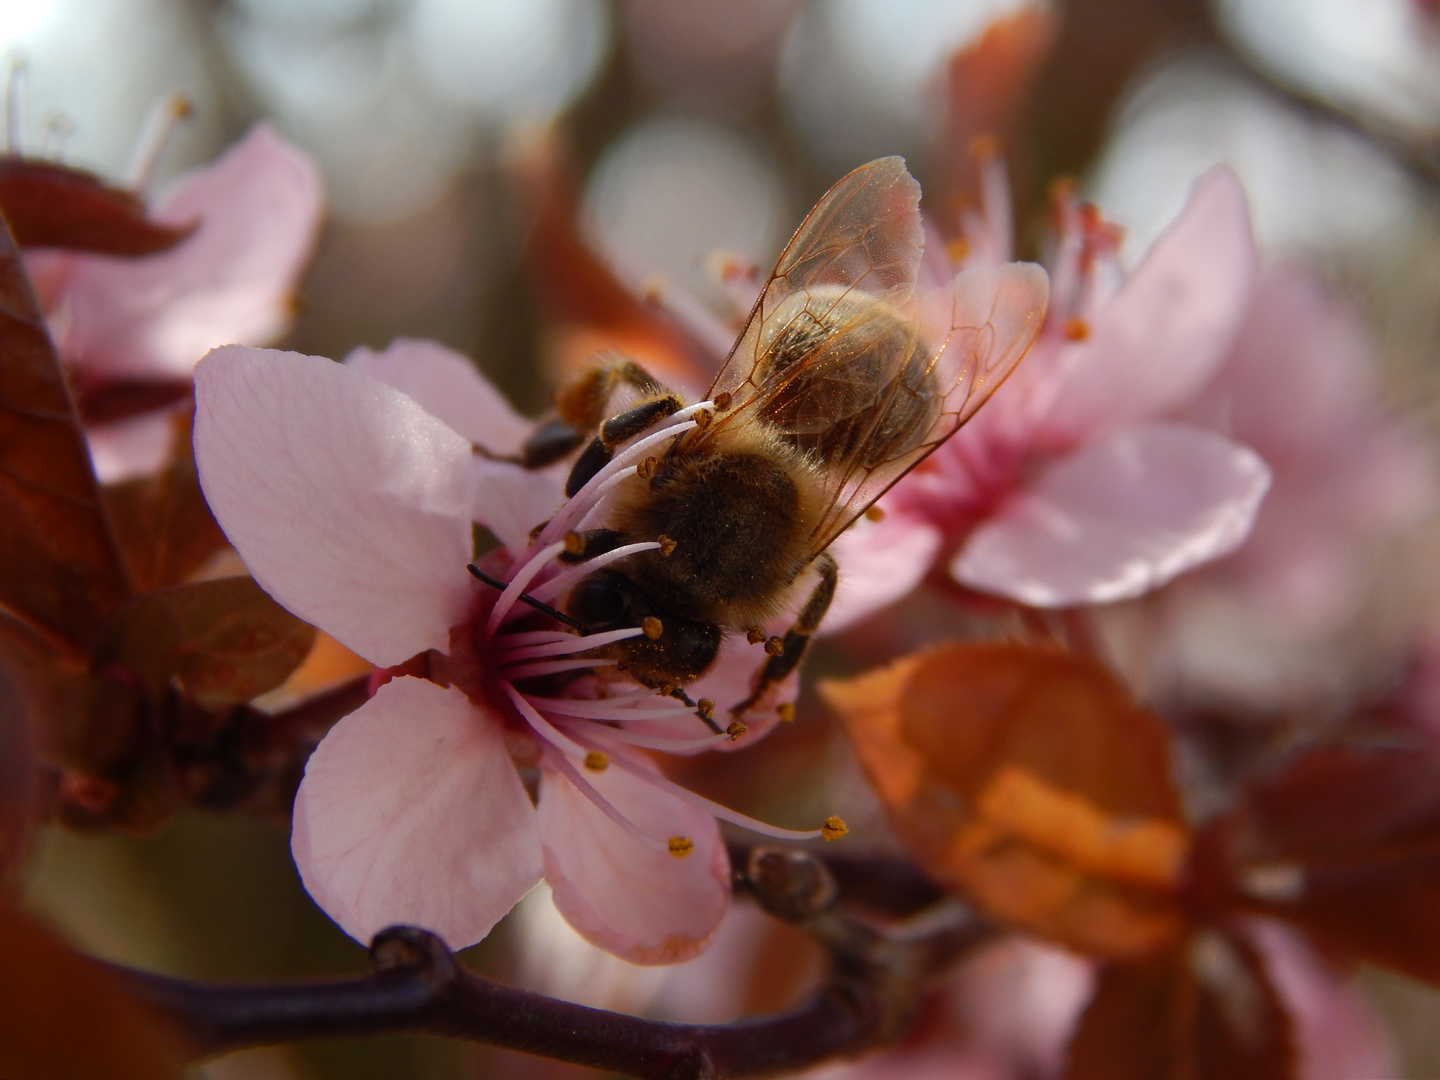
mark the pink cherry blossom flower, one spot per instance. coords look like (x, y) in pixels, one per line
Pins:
(352, 505)
(1273, 626)
(1078, 483)
(256, 211)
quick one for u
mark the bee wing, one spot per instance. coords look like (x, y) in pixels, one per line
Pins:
(969, 337)
(864, 233)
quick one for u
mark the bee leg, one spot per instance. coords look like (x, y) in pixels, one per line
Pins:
(617, 429)
(798, 636)
(552, 440)
(580, 402)
(583, 399)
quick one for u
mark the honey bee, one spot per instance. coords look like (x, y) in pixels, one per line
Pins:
(845, 377)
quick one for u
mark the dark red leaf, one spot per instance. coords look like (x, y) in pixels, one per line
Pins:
(1206, 1012)
(225, 640)
(17, 777)
(63, 1016)
(101, 401)
(58, 562)
(163, 525)
(1345, 843)
(591, 309)
(52, 205)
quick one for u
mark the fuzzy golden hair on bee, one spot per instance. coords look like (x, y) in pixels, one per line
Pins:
(847, 374)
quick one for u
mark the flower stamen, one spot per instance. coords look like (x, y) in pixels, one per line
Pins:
(569, 516)
(714, 809)
(155, 134)
(560, 582)
(570, 643)
(519, 578)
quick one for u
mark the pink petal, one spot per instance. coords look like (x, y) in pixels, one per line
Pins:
(880, 561)
(642, 904)
(1161, 336)
(130, 448)
(1338, 1034)
(258, 206)
(1120, 517)
(348, 502)
(449, 386)
(1298, 378)
(411, 812)
(510, 501)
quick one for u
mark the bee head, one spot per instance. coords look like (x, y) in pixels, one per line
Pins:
(683, 649)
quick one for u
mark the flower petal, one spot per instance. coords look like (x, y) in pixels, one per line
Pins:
(411, 812)
(880, 561)
(510, 501)
(449, 386)
(1337, 1031)
(348, 502)
(1162, 335)
(258, 208)
(1122, 516)
(642, 904)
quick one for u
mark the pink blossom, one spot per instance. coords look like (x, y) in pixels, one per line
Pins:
(1007, 1013)
(256, 211)
(352, 505)
(1337, 1034)
(1274, 624)
(1012, 1010)
(1080, 482)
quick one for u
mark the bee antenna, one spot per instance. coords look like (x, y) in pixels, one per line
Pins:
(538, 605)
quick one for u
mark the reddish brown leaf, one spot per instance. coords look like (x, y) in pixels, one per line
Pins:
(1027, 779)
(987, 84)
(225, 640)
(106, 400)
(58, 562)
(1346, 843)
(62, 1017)
(52, 205)
(164, 527)
(1205, 1012)
(591, 309)
(18, 766)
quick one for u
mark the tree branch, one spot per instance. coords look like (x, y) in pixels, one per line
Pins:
(416, 985)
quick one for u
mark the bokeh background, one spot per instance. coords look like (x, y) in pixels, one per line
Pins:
(676, 129)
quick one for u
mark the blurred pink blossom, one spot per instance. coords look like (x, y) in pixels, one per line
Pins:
(1299, 386)
(1081, 481)
(1337, 1034)
(257, 211)
(1012, 1010)
(1008, 1013)
(351, 502)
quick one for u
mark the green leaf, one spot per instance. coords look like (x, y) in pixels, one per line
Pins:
(59, 566)
(224, 640)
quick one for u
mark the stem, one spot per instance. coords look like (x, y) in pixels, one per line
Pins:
(416, 985)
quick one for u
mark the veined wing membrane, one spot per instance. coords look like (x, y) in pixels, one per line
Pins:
(971, 336)
(865, 234)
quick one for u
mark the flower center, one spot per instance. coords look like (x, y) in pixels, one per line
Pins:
(535, 665)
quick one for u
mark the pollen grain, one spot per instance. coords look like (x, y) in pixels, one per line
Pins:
(680, 846)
